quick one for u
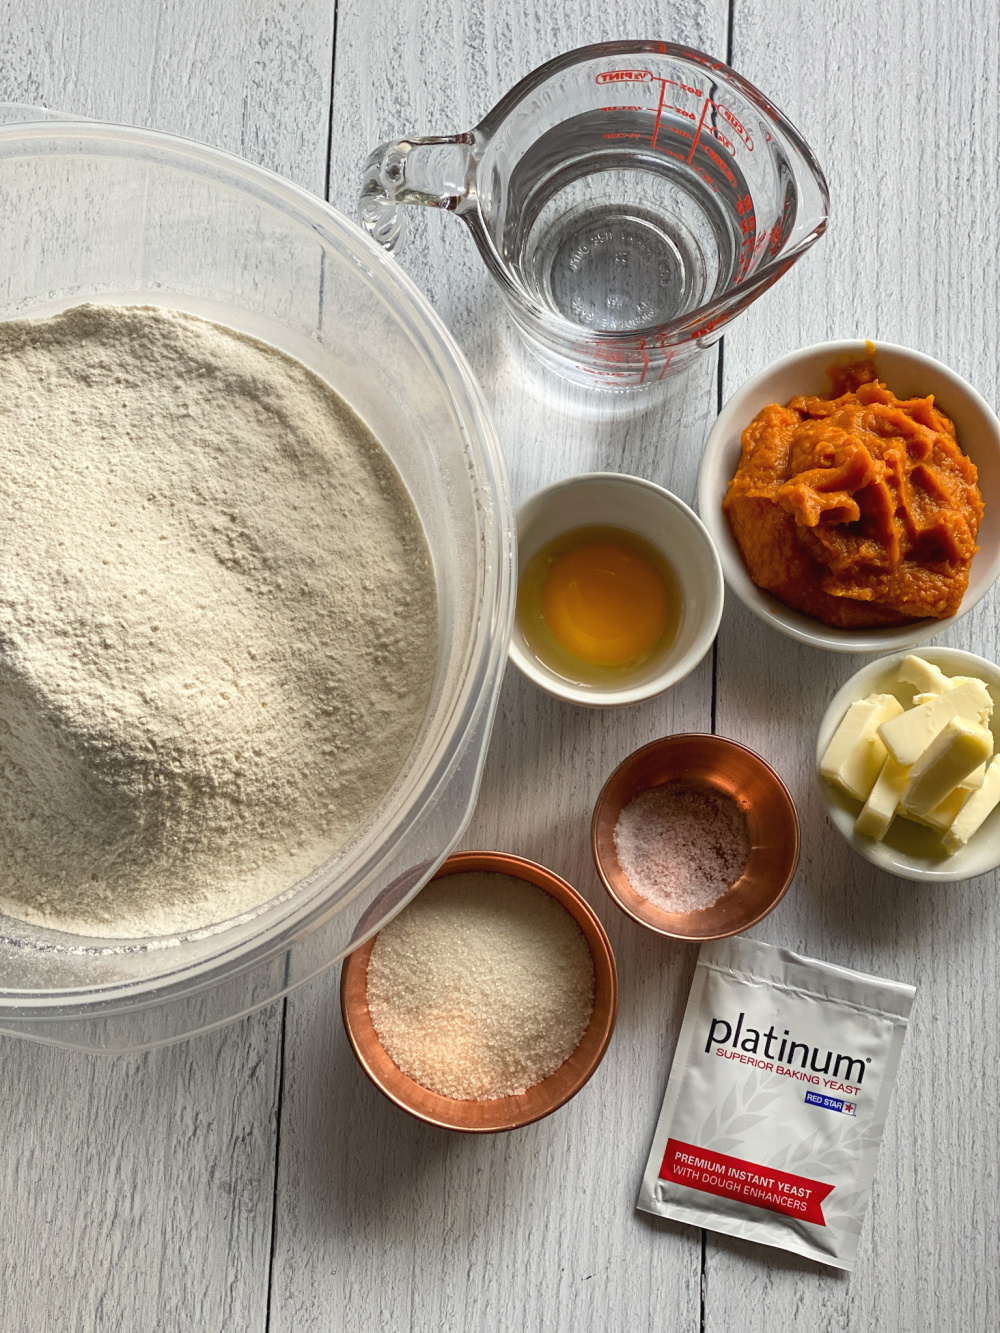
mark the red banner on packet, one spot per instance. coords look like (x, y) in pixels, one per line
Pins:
(734, 1178)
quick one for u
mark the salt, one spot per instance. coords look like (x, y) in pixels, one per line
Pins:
(682, 846)
(481, 987)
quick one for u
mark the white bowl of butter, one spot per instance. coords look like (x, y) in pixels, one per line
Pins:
(941, 838)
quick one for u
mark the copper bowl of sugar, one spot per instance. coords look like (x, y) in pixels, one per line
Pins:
(497, 1113)
(721, 768)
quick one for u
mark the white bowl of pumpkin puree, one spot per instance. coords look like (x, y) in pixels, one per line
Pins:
(853, 492)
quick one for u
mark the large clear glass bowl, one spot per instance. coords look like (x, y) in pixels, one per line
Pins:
(94, 212)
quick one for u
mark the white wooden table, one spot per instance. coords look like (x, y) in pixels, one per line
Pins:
(253, 1179)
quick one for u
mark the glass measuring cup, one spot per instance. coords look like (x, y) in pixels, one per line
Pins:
(630, 199)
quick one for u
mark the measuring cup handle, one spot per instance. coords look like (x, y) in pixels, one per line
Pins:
(436, 171)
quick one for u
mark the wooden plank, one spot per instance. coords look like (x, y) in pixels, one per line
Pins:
(900, 103)
(383, 1222)
(251, 77)
(137, 1191)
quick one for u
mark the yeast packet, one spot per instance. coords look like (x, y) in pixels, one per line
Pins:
(777, 1099)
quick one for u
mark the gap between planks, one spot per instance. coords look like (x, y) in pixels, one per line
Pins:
(280, 1097)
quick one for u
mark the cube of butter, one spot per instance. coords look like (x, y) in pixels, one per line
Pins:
(883, 800)
(979, 804)
(956, 751)
(924, 676)
(987, 710)
(908, 735)
(942, 816)
(855, 755)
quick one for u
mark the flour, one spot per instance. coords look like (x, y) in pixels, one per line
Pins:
(217, 622)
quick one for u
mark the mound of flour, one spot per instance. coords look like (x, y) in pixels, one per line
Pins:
(217, 621)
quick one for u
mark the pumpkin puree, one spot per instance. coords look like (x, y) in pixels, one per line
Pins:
(860, 509)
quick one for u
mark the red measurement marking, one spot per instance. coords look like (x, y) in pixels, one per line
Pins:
(645, 360)
(711, 153)
(748, 226)
(625, 76)
(737, 125)
(706, 329)
(704, 108)
(717, 134)
(659, 112)
(685, 87)
(671, 353)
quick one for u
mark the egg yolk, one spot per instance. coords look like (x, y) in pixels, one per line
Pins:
(604, 603)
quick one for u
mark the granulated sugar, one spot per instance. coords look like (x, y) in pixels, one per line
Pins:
(682, 845)
(481, 987)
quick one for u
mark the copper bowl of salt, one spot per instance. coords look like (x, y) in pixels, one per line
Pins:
(497, 1113)
(726, 769)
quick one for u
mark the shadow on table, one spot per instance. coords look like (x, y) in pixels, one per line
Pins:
(851, 905)
(551, 428)
(722, 1250)
(392, 1177)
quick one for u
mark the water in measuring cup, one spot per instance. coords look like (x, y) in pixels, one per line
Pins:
(620, 235)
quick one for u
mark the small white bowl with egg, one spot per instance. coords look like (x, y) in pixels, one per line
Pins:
(674, 535)
(908, 374)
(909, 850)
